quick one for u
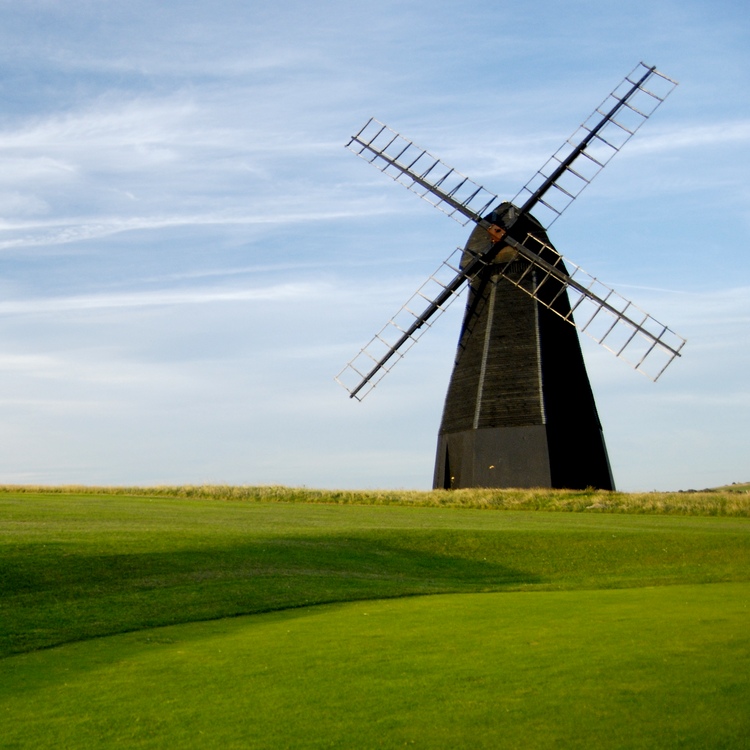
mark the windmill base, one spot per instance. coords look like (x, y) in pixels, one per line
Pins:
(509, 457)
(493, 457)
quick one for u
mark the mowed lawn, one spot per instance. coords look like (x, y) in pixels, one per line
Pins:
(591, 629)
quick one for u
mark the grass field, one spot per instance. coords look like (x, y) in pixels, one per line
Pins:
(135, 620)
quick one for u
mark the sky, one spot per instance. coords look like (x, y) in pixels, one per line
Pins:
(189, 255)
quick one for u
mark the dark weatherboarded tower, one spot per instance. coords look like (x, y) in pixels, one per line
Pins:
(519, 410)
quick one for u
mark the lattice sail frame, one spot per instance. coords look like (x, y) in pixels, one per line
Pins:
(404, 329)
(553, 187)
(612, 321)
(419, 171)
(591, 147)
(633, 335)
(600, 312)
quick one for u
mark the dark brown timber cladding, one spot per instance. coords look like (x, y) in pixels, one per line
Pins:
(519, 409)
(506, 355)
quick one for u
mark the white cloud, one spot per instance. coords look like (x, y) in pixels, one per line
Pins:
(727, 134)
(48, 305)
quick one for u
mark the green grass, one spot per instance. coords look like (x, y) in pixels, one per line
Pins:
(628, 668)
(83, 566)
(595, 617)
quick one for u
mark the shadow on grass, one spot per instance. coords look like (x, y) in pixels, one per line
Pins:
(54, 594)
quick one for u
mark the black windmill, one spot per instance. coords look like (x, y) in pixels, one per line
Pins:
(519, 411)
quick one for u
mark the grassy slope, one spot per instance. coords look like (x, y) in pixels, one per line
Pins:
(659, 667)
(606, 656)
(81, 566)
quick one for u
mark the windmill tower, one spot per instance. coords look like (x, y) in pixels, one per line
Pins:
(519, 411)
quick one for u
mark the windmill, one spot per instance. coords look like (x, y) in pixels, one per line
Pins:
(519, 411)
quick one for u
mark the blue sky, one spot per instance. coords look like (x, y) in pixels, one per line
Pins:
(188, 255)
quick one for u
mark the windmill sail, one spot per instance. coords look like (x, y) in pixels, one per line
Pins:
(549, 192)
(553, 187)
(590, 148)
(600, 312)
(423, 174)
(405, 328)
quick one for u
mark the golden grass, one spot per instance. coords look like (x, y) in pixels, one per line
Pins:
(733, 500)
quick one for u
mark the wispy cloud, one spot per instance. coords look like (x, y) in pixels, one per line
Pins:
(47, 233)
(727, 134)
(170, 297)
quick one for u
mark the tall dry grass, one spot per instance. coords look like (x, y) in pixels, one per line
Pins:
(730, 501)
